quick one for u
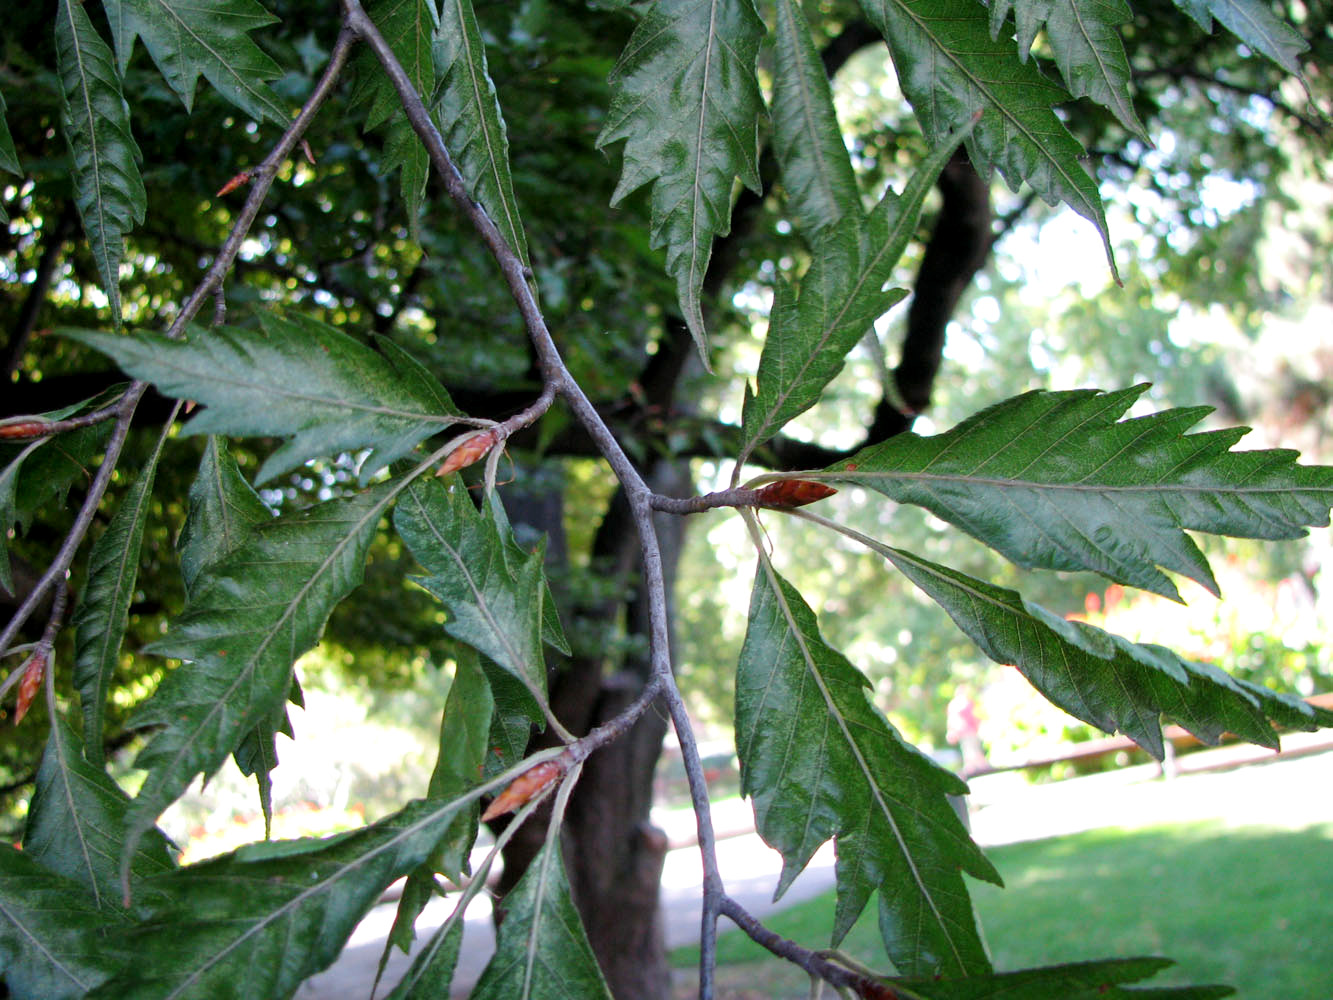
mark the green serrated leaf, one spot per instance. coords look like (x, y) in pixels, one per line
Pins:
(1085, 43)
(512, 720)
(104, 611)
(1052, 480)
(1255, 24)
(208, 38)
(841, 295)
(9, 157)
(224, 511)
(816, 169)
(108, 189)
(9, 481)
(473, 125)
(494, 606)
(541, 950)
(819, 761)
(54, 941)
(408, 26)
(252, 925)
(1103, 679)
(687, 104)
(553, 633)
(295, 378)
(249, 619)
(432, 970)
(950, 67)
(1100, 980)
(76, 824)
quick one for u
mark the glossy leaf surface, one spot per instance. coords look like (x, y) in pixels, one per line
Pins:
(1077, 981)
(1055, 480)
(294, 378)
(950, 67)
(245, 625)
(541, 951)
(687, 104)
(252, 925)
(208, 38)
(819, 761)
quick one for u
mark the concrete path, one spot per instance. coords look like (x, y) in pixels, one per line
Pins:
(1290, 793)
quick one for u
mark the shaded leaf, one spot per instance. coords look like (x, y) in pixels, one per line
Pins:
(687, 104)
(1101, 678)
(9, 157)
(459, 765)
(1085, 42)
(1100, 980)
(76, 824)
(104, 611)
(493, 606)
(432, 970)
(252, 925)
(512, 720)
(54, 941)
(249, 619)
(816, 169)
(408, 26)
(819, 761)
(108, 189)
(950, 67)
(295, 378)
(473, 125)
(553, 633)
(1255, 24)
(1055, 480)
(208, 38)
(541, 950)
(224, 511)
(841, 295)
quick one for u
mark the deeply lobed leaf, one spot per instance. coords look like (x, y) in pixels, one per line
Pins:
(1085, 43)
(1255, 24)
(541, 949)
(248, 620)
(494, 604)
(1055, 480)
(819, 761)
(252, 925)
(687, 104)
(408, 26)
(208, 38)
(1101, 678)
(108, 189)
(841, 295)
(295, 378)
(950, 67)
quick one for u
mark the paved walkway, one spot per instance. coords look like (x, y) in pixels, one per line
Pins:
(1291, 793)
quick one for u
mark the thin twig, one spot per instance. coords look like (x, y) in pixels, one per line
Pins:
(555, 373)
(811, 961)
(264, 176)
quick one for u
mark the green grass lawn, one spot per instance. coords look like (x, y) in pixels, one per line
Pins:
(1251, 907)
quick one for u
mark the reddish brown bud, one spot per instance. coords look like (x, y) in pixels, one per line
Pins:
(25, 429)
(32, 680)
(793, 493)
(469, 451)
(239, 180)
(521, 790)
